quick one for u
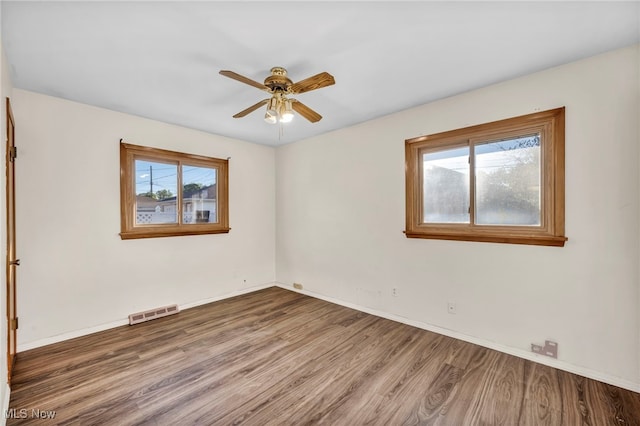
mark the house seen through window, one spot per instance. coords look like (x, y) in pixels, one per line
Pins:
(157, 194)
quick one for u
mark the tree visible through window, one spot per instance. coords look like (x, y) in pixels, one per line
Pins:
(497, 182)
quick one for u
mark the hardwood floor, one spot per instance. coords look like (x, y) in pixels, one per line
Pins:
(276, 357)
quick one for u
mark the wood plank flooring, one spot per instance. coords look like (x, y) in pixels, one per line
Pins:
(276, 357)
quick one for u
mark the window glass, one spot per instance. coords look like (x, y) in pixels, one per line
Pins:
(156, 192)
(446, 186)
(508, 182)
(199, 195)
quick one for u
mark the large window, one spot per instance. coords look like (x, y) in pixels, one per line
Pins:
(496, 182)
(165, 193)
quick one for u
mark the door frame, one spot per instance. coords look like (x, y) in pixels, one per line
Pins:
(11, 262)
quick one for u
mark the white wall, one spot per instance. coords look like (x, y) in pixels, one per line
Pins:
(341, 213)
(77, 275)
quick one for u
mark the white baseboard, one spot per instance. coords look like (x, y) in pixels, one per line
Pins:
(551, 362)
(125, 321)
(70, 335)
(228, 295)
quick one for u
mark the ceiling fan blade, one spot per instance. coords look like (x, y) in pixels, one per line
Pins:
(305, 111)
(251, 108)
(318, 81)
(243, 79)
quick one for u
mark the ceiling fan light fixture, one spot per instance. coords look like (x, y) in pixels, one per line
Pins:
(272, 106)
(270, 118)
(287, 113)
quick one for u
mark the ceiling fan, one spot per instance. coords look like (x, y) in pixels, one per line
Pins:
(280, 106)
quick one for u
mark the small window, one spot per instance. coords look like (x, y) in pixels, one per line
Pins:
(166, 193)
(496, 182)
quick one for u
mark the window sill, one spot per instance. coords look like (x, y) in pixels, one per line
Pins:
(158, 233)
(537, 240)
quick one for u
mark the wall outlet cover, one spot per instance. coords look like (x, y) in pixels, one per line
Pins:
(549, 349)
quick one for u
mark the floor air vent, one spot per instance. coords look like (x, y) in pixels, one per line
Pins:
(153, 314)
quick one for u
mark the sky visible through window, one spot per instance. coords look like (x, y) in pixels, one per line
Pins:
(165, 176)
(458, 159)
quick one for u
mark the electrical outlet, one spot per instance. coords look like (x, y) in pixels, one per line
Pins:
(395, 292)
(297, 286)
(451, 308)
(549, 349)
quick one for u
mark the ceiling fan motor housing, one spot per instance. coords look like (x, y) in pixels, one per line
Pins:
(278, 80)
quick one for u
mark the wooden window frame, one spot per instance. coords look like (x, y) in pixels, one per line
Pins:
(130, 230)
(550, 124)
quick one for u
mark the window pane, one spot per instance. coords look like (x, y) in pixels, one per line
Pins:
(446, 186)
(199, 194)
(508, 182)
(156, 185)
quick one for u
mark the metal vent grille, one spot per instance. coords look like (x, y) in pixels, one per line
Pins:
(139, 317)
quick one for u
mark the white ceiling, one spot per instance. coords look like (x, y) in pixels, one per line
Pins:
(161, 59)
